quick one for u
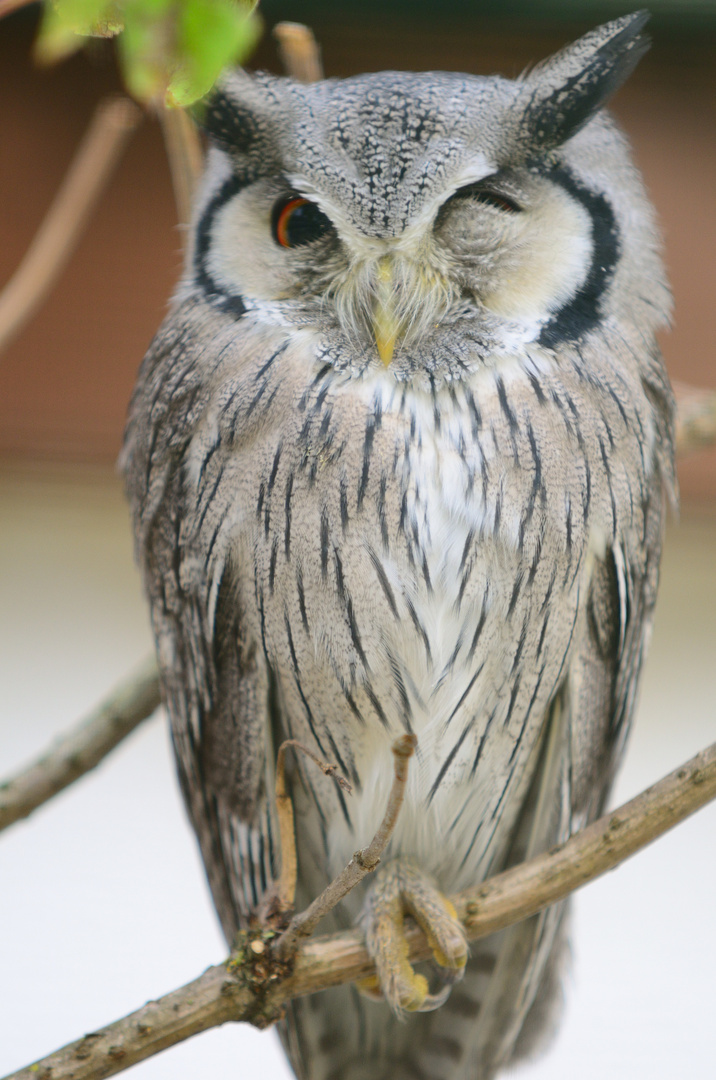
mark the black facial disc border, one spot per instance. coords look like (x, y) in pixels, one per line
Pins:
(232, 303)
(583, 312)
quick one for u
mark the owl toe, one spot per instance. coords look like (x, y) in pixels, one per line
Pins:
(400, 889)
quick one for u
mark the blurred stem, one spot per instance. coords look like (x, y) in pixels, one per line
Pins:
(299, 51)
(8, 6)
(695, 418)
(113, 122)
(186, 160)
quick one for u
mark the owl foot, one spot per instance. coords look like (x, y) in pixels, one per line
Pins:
(402, 889)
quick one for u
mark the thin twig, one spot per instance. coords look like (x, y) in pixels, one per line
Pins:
(186, 158)
(82, 748)
(695, 418)
(299, 51)
(218, 996)
(286, 885)
(326, 767)
(363, 862)
(95, 161)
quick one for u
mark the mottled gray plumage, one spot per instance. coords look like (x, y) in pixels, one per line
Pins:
(409, 474)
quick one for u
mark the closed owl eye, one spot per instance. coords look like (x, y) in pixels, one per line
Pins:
(488, 197)
(500, 202)
(296, 221)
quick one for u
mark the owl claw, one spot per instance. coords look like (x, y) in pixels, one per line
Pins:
(400, 889)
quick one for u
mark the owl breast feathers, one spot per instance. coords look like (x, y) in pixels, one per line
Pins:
(397, 462)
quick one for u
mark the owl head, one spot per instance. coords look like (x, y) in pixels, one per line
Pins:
(400, 217)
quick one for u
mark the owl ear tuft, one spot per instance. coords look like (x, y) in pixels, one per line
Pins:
(566, 90)
(227, 120)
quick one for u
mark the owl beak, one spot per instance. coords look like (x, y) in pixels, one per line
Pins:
(386, 324)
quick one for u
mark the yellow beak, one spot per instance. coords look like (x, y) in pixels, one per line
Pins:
(386, 325)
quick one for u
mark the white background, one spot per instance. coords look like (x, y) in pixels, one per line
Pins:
(102, 898)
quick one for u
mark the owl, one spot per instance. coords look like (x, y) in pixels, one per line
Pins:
(398, 460)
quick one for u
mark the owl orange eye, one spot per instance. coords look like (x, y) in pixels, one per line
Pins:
(296, 221)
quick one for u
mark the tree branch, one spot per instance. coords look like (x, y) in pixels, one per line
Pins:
(255, 990)
(113, 122)
(82, 748)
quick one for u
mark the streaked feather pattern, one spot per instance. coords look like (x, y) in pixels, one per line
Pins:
(463, 545)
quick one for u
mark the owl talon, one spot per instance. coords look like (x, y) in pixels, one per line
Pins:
(400, 889)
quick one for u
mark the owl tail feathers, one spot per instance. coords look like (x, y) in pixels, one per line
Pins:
(341, 1035)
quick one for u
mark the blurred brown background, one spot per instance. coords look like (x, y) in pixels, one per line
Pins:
(66, 380)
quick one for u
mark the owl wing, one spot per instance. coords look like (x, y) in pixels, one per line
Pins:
(217, 693)
(598, 698)
(604, 675)
(216, 682)
(516, 975)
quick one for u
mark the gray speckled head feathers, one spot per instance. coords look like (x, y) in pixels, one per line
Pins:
(389, 141)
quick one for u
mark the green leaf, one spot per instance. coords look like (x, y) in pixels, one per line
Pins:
(146, 46)
(170, 50)
(66, 22)
(211, 36)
